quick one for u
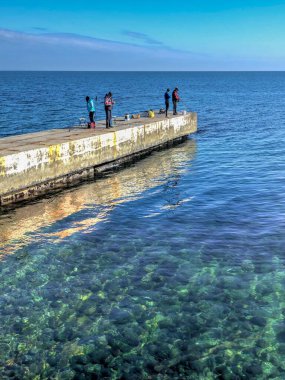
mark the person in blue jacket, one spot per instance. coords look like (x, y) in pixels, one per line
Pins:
(90, 109)
(166, 99)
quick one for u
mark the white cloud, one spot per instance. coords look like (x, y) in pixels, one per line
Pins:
(63, 51)
(142, 37)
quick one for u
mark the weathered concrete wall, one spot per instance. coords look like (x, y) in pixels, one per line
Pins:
(38, 168)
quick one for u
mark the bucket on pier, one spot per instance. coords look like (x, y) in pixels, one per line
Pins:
(82, 122)
(113, 122)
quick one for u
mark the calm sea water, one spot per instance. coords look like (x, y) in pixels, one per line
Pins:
(173, 268)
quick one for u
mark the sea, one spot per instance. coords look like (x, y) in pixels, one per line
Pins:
(171, 268)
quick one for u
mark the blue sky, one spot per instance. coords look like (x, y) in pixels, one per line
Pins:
(142, 35)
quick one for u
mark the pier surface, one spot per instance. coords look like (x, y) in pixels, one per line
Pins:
(34, 164)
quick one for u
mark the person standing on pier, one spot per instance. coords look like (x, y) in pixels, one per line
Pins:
(91, 110)
(166, 98)
(175, 100)
(108, 101)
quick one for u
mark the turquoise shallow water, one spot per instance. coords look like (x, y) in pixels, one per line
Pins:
(172, 268)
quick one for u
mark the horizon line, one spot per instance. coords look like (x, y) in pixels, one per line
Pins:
(148, 71)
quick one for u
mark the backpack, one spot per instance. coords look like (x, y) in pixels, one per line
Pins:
(108, 101)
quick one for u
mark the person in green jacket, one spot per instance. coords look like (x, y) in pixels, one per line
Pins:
(91, 109)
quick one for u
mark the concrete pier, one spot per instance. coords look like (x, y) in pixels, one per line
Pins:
(34, 164)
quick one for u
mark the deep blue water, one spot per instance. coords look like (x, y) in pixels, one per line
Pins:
(173, 268)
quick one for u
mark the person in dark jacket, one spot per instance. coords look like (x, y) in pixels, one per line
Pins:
(175, 100)
(108, 102)
(166, 98)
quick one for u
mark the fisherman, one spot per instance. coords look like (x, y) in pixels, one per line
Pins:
(175, 100)
(91, 109)
(166, 98)
(108, 102)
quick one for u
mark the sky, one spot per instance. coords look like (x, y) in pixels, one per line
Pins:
(163, 35)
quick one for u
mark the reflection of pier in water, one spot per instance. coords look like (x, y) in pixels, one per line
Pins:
(125, 185)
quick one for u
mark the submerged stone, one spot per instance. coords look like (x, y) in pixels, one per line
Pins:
(281, 348)
(79, 359)
(90, 311)
(98, 356)
(258, 321)
(261, 343)
(281, 336)
(254, 369)
(67, 375)
(120, 316)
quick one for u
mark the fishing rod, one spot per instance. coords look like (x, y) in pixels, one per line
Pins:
(183, 104)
